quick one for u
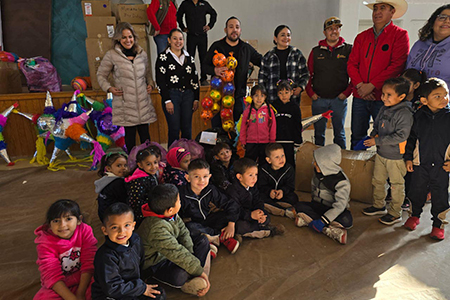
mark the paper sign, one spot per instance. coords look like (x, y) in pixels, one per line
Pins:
(88, 9)
(209, 138)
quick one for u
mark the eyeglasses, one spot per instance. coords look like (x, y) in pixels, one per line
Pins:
(443, 18)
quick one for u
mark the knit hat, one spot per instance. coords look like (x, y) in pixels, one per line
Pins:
(175, 155)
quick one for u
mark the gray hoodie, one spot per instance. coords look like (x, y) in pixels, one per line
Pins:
(331, 187)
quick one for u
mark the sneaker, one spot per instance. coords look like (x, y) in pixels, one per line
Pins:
(338, 234)
(194, 285)
(231, 244)
(437, 234)
(238, 237)
(299, 221)
(428, 198)
(406, 204)
(213, 250)
(278, 229)
(213, 239)
(389, 219)
(290, 213)
(372, 211)
(204, 83)
(412, 223)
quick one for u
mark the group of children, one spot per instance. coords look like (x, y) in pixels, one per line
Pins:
(184, 211)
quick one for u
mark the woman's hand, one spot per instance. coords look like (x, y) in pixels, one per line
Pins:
(297, 91)
(195, 105)
(115, 91)
(149, 89)
(156, 33)
(315, 97)
(169, 107)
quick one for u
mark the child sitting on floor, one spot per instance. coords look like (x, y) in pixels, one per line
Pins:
(253, 220)
(276, 183)
(66, 248)
(178, 159)
(330, 188)
(197, 198)
(117, 262)
(222, 166)
(143, 179)
(111, 186)
(171, 256)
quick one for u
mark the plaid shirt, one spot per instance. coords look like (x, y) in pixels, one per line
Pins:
(269, 73)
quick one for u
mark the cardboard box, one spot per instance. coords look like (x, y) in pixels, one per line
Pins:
(96, 49)
(357, 165)
(96, 8)
(100, 27)
(132, 13)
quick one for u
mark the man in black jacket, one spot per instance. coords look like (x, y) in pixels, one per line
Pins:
(243, 52)
(195, 12)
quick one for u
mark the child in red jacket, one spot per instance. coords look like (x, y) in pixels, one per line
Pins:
(258, 126)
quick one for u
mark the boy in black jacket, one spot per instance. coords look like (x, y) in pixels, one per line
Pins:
(198, 198)
(276, 183)
(254, 222)
(117, 262)
(222, 174)
(427, 156)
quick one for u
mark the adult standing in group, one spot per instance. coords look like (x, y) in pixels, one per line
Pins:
(283, 62)
(431, 53)
(162, 15)
(243, 52)
(195, 12)
(132, 106)
(177, 80)
(378, 53)
(329, 85)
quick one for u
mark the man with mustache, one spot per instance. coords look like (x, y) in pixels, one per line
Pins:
(243, 52)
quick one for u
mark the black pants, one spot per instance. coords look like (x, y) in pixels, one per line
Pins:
(130, 135)
(200, 42)
(429, 179)
(212, 225)
(171, 274)
(290, 198)
(238, 109)
(244, 226)
(289, 153)
(315, 210)
(257, 152)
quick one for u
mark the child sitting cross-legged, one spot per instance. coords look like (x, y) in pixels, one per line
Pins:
(117, 262)
(254, 222)
(171, 256)
(327, 212)
(178, 159)
(276, 183)
(198, 199)
(222, 166)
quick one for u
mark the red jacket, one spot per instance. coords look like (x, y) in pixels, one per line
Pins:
(260, 128)
(169, 22)
(375, 61)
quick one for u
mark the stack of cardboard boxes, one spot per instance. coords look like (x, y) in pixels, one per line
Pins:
(100, 27)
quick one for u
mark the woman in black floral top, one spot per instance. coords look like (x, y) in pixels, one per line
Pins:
(177, 80)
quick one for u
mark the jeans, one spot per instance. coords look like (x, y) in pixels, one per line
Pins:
(161, 42)
(315, 210)
(201, 43)
(362, 110)
(181, 119)
(339, 108)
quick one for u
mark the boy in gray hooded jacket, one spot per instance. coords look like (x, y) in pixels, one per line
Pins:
(330, 188)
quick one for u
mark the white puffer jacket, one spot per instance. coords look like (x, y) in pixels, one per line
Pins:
(135, 107)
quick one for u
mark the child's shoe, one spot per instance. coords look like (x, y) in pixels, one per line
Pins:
(231, 244)
(372, 211)
(213, 239)
(213, 250)
(390, 219)
(428, 198)
(412, 223)
(406, 204)
(299, 221)
(194, 285)
(278, 229)
(437, 234)
(338, 234)
(290, 213)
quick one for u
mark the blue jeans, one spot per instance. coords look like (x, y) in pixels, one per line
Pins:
(161, 42)
(339, 108)
(181, 119)
(362, 110)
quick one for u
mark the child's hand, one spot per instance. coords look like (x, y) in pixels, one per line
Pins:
(446, 166)
(256, 214)
(262, 218)
(150, 292)
(369, 142)
(273, 194)
(203, 292)
(228, 232)
(409, 166)
(279, 194)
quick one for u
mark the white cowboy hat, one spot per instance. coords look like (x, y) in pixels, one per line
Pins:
(400, 6)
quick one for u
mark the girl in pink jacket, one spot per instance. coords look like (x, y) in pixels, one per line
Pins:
(66, 248)
(258, 127)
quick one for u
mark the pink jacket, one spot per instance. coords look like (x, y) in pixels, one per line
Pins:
(257, 129)
(65, 260)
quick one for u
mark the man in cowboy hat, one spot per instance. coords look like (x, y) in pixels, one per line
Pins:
(328, 85)
(378, 53)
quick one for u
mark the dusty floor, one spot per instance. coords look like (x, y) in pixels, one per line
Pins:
(379, 262)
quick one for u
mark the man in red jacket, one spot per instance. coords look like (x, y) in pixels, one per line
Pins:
(378, 53)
